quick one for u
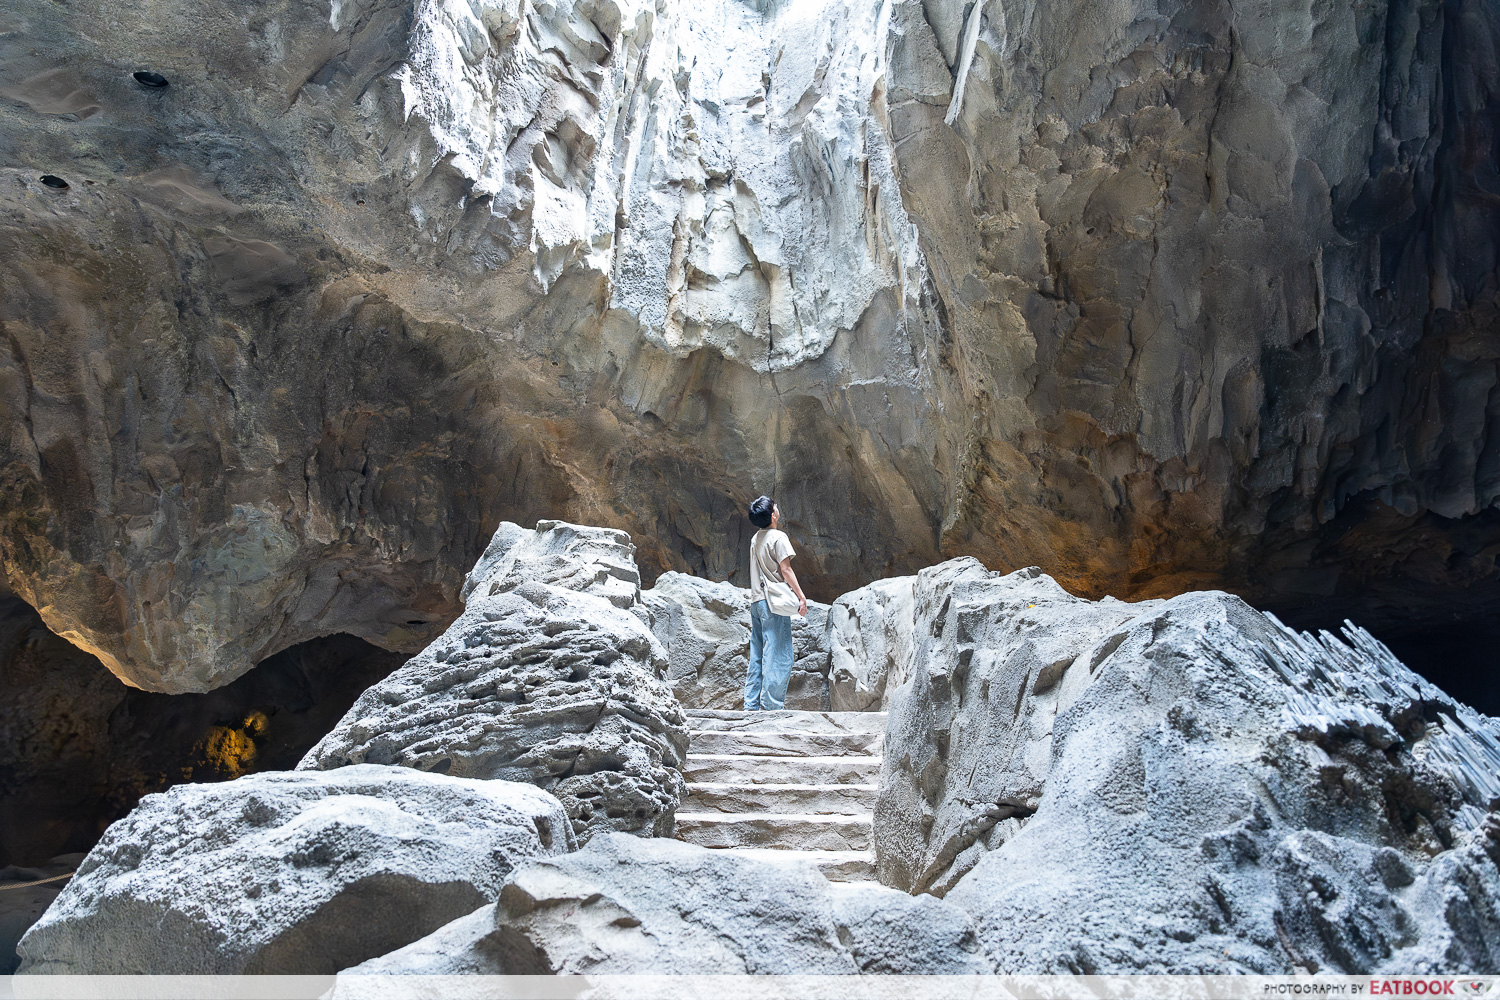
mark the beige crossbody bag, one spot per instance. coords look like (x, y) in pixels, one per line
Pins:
(779, 596)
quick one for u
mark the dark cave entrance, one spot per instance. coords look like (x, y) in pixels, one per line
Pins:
(78, 748)
(1459, 658)
(1455, 649)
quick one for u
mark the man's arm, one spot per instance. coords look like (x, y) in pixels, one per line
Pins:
(791, 581)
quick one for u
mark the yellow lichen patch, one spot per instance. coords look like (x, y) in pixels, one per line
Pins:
(256, 724)
(231, 752)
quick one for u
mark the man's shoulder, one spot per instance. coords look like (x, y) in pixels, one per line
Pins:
(778, 538)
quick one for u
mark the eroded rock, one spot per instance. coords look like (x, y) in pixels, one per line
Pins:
(1186, 786)
(1167, 299)
(537, 682)
(627, 906)
(290, 872)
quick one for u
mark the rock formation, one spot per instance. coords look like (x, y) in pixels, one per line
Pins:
(554, 682)
(290, 873)
(628, 906)
(704, 626)
(1184, 786)
(301, 301)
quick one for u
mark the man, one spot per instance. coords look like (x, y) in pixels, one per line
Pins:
(770, 633)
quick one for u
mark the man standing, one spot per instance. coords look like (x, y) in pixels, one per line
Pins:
(772, 582)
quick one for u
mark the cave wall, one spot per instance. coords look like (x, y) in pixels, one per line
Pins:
(1185, 295)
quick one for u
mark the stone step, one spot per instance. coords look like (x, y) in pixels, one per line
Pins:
(784, 743)
(703, 720)
(742, 769)
(836, 866)
(789, 831)
(770, 797)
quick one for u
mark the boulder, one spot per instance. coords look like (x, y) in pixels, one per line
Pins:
(1188, 787)
(627, 906)
(290, 872)
(547, 682)
(705, 628)
(587, 559)
(873, 633)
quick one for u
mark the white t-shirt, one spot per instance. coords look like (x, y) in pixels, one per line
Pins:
(767, 549)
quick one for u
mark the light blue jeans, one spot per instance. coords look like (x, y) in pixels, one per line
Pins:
(770, 659)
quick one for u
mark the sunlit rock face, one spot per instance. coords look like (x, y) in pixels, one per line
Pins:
(1166, 305)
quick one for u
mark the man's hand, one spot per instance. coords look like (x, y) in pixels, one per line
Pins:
(802, 608)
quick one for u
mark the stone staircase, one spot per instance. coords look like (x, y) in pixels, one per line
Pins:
(785, 786)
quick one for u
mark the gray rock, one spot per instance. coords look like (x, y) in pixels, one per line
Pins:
(290, 872)
(1187, 787)
(590, 560)
(869, 644)
(551, 683)
(623, 905)
(892, 933)
(365, 280)
(705, 628)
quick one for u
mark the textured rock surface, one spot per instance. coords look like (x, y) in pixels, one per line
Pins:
(537, 682)
(290, 873)
(1181, 297)
(870, 644)
(1186, 786)
(623, 905)
(704, 627)
(78, 748)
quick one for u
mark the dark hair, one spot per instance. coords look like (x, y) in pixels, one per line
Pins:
(760, 511)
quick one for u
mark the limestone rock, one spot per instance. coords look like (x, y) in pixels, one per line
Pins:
(567, 556)
(1186, 786)
(535, 682)
(1178, 299)
(705, 628)
(290, 873)
(623, 905)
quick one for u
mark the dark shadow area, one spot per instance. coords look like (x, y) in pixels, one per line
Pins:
(1460, 659)
(78, 748)
(1457, 651)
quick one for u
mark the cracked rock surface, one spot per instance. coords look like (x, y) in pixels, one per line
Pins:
(554, 683)
(1161, 300)
(290, 873)
(627, 906)
(1184, 786)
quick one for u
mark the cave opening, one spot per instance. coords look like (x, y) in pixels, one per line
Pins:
(1455, 651)
(78, 748)
(1458, 657)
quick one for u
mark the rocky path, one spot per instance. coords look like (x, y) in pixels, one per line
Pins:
(785, 786)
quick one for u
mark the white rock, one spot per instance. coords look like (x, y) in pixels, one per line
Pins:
(626, 906)
(1185, 786)
(290, 873)
(544, 679)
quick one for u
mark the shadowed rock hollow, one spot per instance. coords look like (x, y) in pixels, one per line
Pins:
(300, 301)
(78, 748)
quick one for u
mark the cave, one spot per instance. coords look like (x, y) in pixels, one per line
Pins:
(346, 328)
(78, 748)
